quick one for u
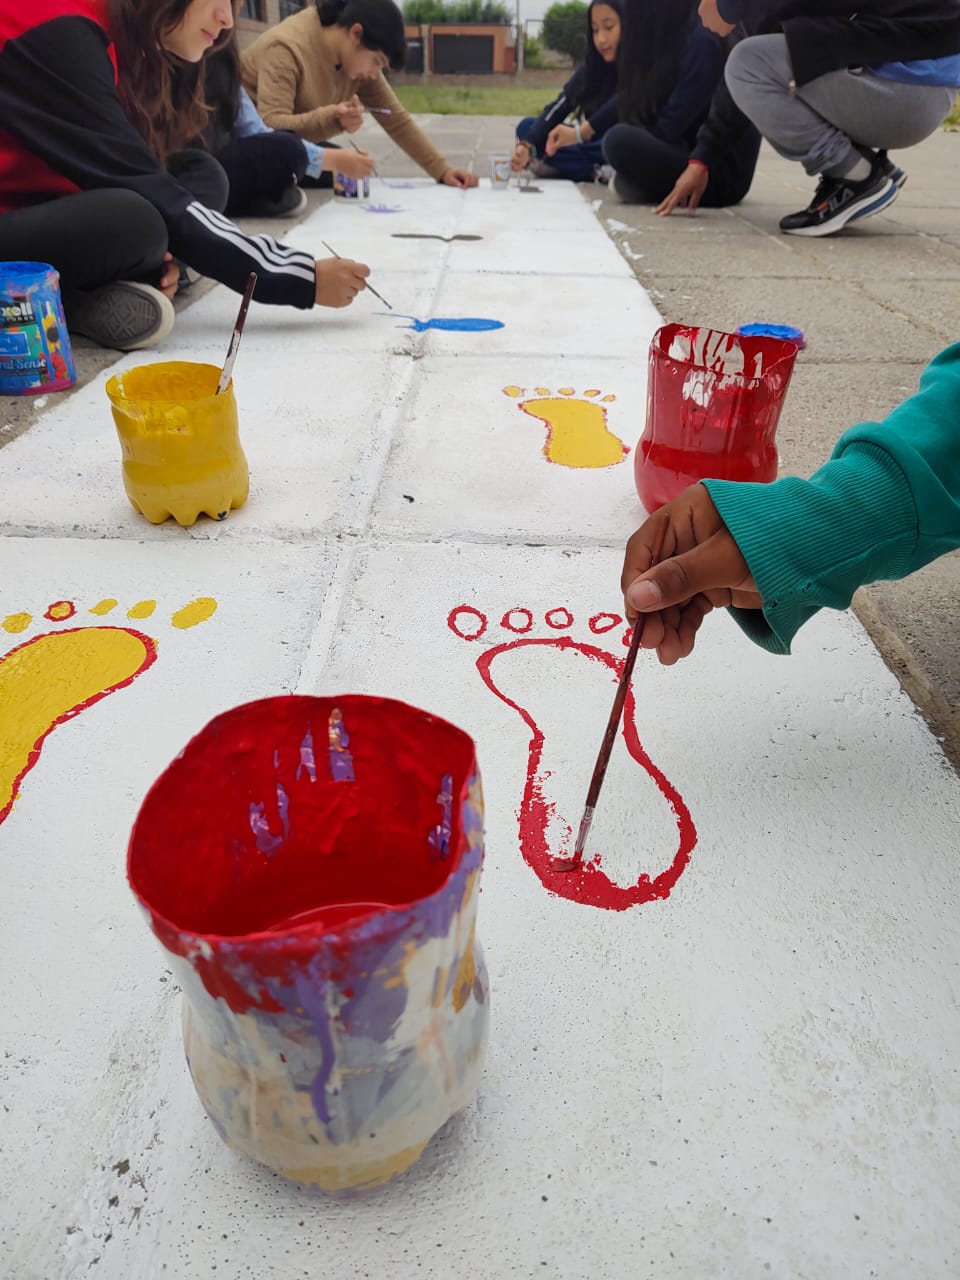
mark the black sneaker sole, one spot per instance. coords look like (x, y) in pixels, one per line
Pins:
(126, 316)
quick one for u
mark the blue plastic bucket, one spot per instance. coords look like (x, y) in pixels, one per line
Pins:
(35, 355)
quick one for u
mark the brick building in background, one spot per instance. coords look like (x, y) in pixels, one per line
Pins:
(448, 48)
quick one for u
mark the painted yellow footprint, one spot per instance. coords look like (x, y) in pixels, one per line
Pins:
(577, 431)
(54, 676)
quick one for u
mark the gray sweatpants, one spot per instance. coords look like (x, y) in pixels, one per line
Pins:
(820, 123)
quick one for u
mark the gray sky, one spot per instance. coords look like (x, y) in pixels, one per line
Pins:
(531, 8)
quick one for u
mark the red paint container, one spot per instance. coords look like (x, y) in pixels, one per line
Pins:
(713, 403)
(312, 867)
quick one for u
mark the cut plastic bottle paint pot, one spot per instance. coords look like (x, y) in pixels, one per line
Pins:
(312, 868)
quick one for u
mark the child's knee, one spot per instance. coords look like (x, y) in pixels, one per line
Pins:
(138, 233)
(757, 66)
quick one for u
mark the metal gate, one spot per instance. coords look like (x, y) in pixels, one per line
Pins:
(453, 54)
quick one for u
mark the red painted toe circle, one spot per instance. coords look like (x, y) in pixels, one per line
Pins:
(476, 622)
(520, 628)
(601, 622)
(559, 619)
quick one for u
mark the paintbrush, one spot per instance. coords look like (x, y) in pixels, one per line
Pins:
(227, 369)
(610, 734)
(359, 151)
(366, 284)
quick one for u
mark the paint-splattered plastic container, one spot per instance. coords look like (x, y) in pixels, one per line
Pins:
(713, 403)
(180, 441)
(35, 353)
(351, 188)
(312, 867)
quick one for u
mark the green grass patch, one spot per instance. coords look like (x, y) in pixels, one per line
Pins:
(465, 100)
(952, 121)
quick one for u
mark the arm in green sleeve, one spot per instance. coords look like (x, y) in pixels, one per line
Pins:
(887, 503)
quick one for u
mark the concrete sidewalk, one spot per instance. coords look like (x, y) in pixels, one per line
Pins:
(722, 1044)
(875, 302)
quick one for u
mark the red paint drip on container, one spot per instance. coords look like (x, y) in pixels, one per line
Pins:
(341, 850)
(713, 404)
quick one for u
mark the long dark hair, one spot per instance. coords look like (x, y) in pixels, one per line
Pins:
(161, 94)
(221, 84)
(652, 40)
(382, 22)
(601, 77)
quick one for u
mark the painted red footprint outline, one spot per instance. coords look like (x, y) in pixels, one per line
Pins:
(588, 884)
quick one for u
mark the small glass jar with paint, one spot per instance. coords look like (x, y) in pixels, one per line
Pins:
(351, 188)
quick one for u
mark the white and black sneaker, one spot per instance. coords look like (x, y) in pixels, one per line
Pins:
(125, 315)
(838, 201)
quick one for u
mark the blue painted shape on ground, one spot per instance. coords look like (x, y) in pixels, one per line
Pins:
(464, 324)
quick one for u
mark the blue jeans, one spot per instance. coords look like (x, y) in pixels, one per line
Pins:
(575, 163)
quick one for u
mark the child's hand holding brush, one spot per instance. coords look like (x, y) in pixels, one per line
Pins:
(339, 280)
(699, 568)
(349, 114)
(354, 164)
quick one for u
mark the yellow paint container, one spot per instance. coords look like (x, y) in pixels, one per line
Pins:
(180, 442)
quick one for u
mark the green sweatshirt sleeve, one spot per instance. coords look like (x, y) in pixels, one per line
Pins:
(887, 503)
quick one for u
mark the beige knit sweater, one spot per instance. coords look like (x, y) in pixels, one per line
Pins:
(291, 74)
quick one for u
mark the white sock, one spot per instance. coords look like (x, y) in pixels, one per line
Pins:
(860, 170)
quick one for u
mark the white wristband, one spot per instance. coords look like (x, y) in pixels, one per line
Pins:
(577, 131)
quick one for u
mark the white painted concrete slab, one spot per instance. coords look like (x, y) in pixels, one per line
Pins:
(751, 1076)
(314, 445)
(548, 253)
(442, 456)
(319, 336)
(93, 1004)
(551, 315)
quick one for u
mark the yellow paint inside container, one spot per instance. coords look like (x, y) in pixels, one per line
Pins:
(180, 441)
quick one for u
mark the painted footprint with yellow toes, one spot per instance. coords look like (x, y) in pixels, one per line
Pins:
(53, 676)
(577, 431)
